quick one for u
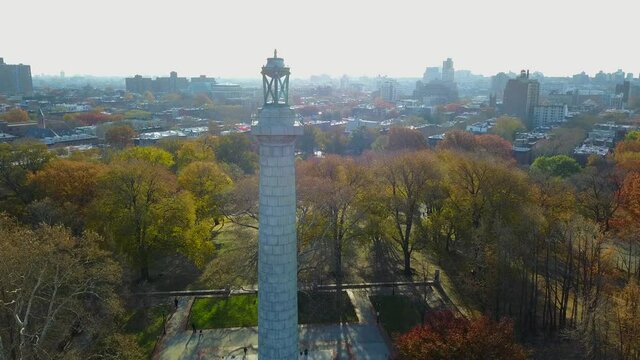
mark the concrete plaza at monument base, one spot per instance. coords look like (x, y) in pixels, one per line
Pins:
(338, 341)
(364, 340)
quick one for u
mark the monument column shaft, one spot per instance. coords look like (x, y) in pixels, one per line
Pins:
(277, 253)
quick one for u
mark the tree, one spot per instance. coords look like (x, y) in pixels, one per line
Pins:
(16, 115)
(190, 151)
(148, 96)
(120, 136)
(202, 100)
(562, 141)
(599, 188)
(458, 140)
(148, 154)
(140, 210)
(71, 185)
(70, 293)
(137, 114)
(208, 183)
(449, 337)
(336, 141)
(237, 149)
(627, 155)
(495, 146)
(408, 181)
(17, 161)
(506, 127)
(558, 165)
(401, 138)
(311, 140)
(633, 135)
(361, 140)
(329, 190)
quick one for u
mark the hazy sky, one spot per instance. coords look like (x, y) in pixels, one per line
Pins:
(232, 38)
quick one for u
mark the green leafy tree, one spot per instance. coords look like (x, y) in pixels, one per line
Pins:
(140, 210)
(17, 161)
(137, 114)
(361, 140)
(558, 165)
(633, 135)
(208, 183)
(237, 149)
(190, 151)
(148, 154)
(312, 139)
(506, 127)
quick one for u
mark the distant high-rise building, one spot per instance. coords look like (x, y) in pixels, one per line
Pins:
(138, 84)
(344, 82)
(171, 84)
(431, 74)
(498, 83)
(618, 76)
(581, 78)
(15, 79)
(448, 73)
(201, 84)
(388, 90)
(601, 77)
(520, 97)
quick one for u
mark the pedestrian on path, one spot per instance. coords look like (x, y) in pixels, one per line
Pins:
(175, 302)
(200, 335)
(193, 326)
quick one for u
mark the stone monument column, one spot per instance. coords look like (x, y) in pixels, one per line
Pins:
(276, 131)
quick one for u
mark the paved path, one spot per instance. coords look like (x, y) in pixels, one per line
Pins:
(361, 341)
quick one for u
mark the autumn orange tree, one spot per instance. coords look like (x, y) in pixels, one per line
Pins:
(445, 336)
(70, 185)
(15, 115)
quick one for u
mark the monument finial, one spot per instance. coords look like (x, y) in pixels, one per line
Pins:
(275, 80)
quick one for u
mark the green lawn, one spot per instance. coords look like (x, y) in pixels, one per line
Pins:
(397, 313)
(242, 310)
(146, 325)
(225, 312)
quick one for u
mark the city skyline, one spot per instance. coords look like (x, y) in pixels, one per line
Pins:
(355, 38)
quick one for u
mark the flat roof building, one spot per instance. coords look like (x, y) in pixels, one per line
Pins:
(15, 79)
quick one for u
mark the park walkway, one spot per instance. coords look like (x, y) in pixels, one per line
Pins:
(359, 341)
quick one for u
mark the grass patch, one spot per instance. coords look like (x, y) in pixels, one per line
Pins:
(321, 308)
(398, 313)
(147, 325)
(225, 312)
(242, 310)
